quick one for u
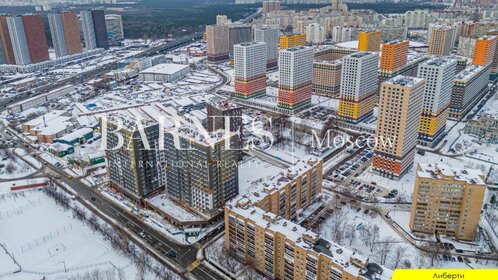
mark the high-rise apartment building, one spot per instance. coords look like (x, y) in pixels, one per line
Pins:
(238, 34)
(296, 74)
(410, 69)
(494, 65)
(394, 55)
(202, 172)
(469, 86)
(418, 19)
(219, 112)
(447, 201)
(27, 36)
(65, 31)
(270, 6)
(114, 25)
(438, 74)
(327, 77)
(6, 51)
(358, 86)
(269, 36)
(132, 169)
(94, 29)
(400, 102)
(440, 39)
(315, 34)
(290, 41)
(341, 34)
(217, 43)
(259, 231)
(369, 41)
(222, 20)
(485, 50)
(250, 69)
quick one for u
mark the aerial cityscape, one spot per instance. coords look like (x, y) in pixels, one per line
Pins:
(248, 139)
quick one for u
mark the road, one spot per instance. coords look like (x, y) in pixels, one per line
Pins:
(156, 243)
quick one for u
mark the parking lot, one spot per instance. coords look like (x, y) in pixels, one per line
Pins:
(352, 166)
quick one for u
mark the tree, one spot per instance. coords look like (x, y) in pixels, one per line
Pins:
(492, 200)
(385, 248)
(399, 253)
(432, 251)
(350, 233)
(374, 236)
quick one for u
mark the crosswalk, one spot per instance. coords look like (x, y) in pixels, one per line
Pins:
(194, 265)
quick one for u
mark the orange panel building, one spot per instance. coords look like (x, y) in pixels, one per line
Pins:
(394, 55)
(485, 50)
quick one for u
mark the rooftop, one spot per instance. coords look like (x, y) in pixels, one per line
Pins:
(277, 182)
(296, 49)
(405, 81)
(166, 68)
(439, 61)
(468, 72)
(438, 171)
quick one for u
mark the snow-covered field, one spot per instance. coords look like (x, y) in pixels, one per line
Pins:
(47, 240)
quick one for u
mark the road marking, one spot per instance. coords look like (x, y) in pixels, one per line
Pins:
(194, 265)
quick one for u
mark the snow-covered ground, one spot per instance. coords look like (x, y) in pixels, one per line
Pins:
(217, 253)
(290, 152)
(47, 240)
(13, 167)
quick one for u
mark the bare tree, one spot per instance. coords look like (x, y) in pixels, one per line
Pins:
(228, 261)
(335, 226)
(399, 253)
(350, 233)
(374, 237)
(432, 252)
(10, 168)
(140, 263)
(385, 247)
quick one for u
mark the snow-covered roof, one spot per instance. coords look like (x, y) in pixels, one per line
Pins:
(165, 68)
(78, 133)
(405, 81)
(442, 171)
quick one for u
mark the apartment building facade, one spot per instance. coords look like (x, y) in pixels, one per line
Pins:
(394, 56)
(291, 41)
(260, 232)
(296, 75)
(27, 36)
(438, 74)
(485, 50)
(65, 31)
(400, 103)
(217, 43)
(358, 86)
(250, 60)
(202, 173)
(327, 78)
(114, 25)
(6, 51)
(132, 169)
(269, 36)
(447, 201)
(440, 39)
(369, 41)
(469, 86)
(94, 29)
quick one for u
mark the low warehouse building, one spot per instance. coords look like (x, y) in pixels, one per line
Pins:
(167, 72)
